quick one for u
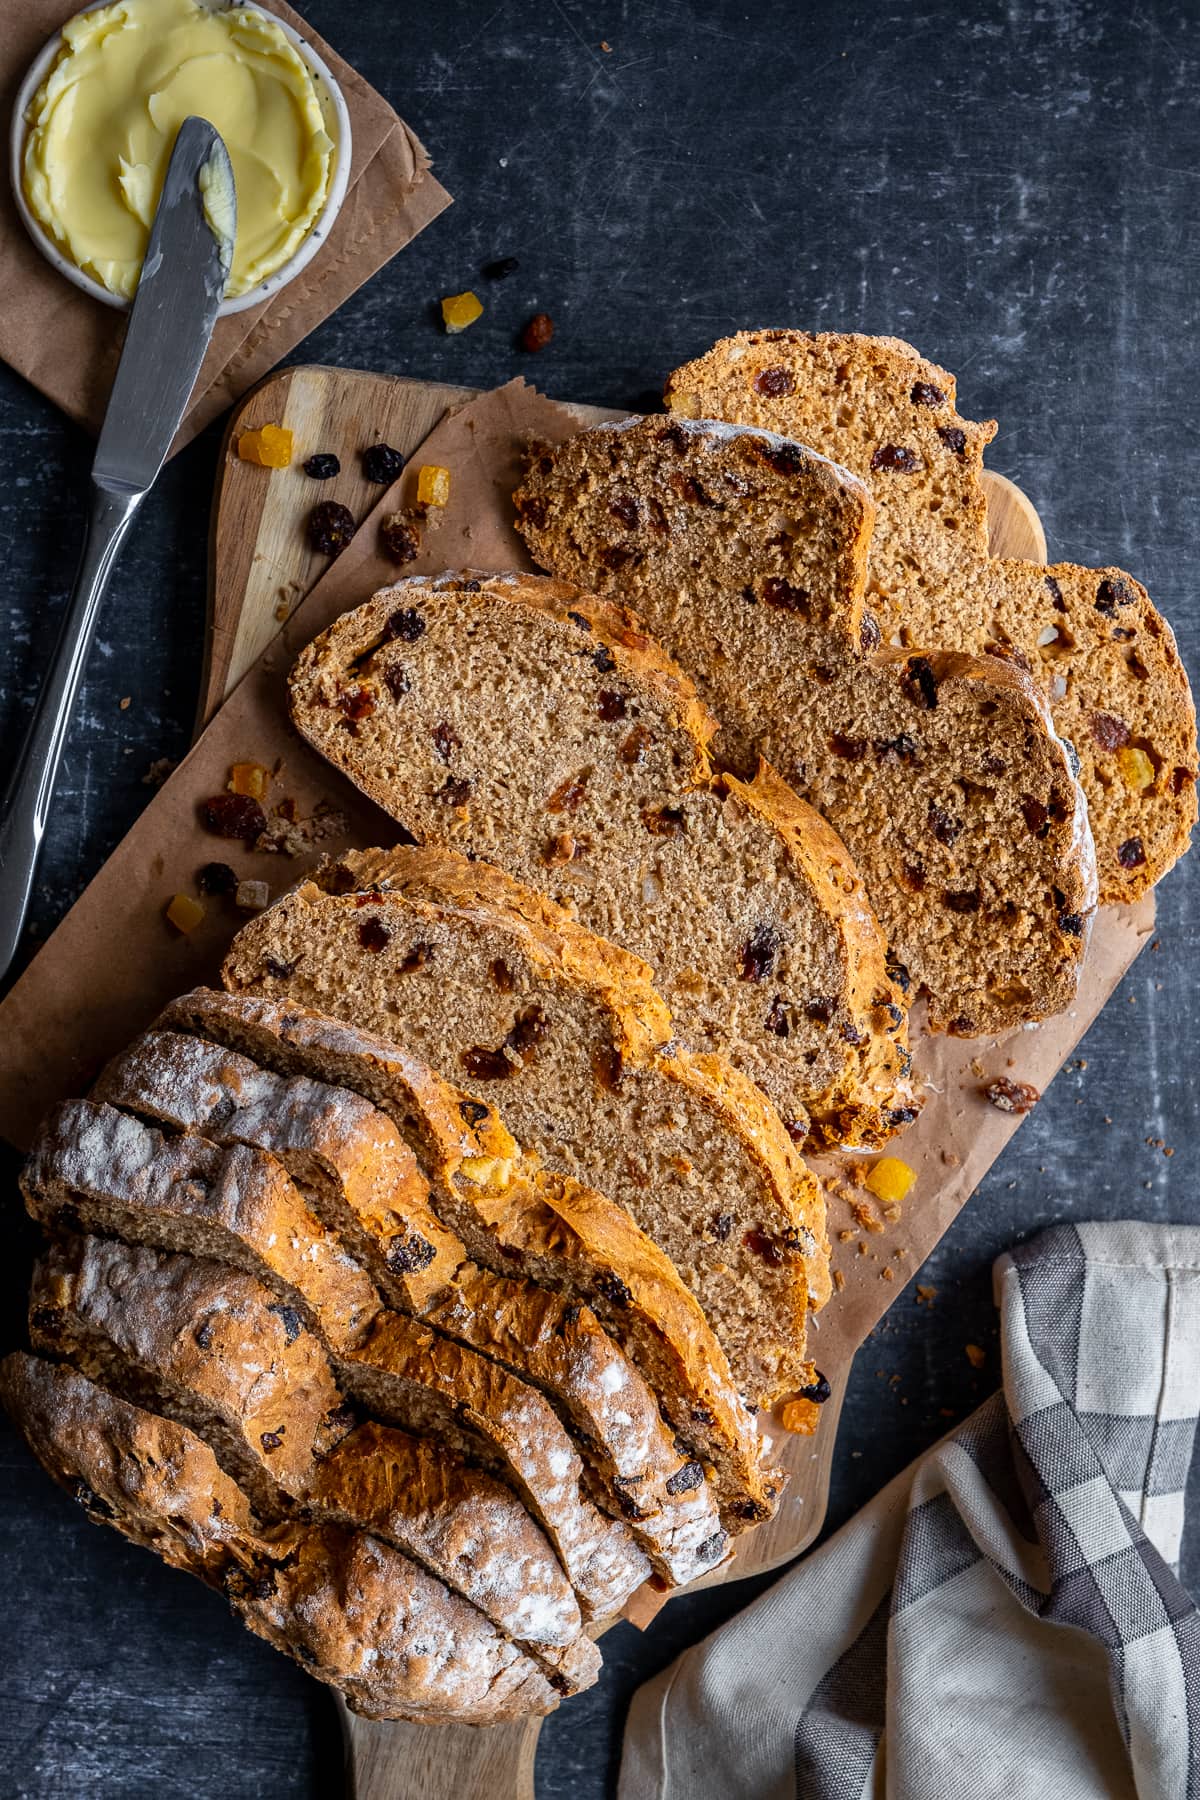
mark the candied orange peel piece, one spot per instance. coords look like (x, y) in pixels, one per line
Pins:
(433, 485)
(460, 310)
(800, 1416)
(270, 447)
(890, 1179)
(249, 778)
(184, 913)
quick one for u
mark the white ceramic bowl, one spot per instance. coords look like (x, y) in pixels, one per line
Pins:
(337, 123)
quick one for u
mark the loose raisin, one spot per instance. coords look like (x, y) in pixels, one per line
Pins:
(407, 624)
(487, 1065)
(374, 935)
(774, 383)
(776, 1020)
(819, 1391)
(784, 595)
(330, 527)
(759, 952)
(216, 878)
(323, 467)
(954, 438)
(446, 740)
(925, 394)
(899, 1116)
(1109, 732)
(537, 332)
(919, 683)
(965, 901)
(409, 1255)
(625, 508)
(233, 816)
(400, 537)
(1131, 854)
(500, 268)
(898, 457)
(610, 705)
(1011, 1096)
(382, 465)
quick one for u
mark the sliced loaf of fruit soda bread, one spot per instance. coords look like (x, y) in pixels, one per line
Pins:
(1105, 658)
(739, 896)
(495, 983)
(941, 773)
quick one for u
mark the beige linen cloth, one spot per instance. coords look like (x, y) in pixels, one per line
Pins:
(1004, 1620)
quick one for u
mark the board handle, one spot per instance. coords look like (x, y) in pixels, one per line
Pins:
(438, 1762)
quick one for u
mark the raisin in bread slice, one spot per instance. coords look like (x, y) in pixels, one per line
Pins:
(741, 898)
(1105, 658)
(465, 1527)
(578, 1045)
(397, 1643)
(151, 1479)
(352, 1164)
(518, 1218)
(406, 1374)
(561, 1349)
(98, 1170)
(942, 773)
(210, 1347)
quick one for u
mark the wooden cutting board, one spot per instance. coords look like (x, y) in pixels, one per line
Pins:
(260, 570)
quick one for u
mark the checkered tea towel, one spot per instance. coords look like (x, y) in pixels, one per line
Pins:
(1003, 1622)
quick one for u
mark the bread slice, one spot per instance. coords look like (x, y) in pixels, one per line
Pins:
(397, 1643)
(740, 897)
(151, 1479)
(360, 1176)
(1105, 658)
(557, 1345)
(521, 1219)
(207, 1345)
(408, 1375)
(466, 1528)
(577, 1044)
(941, 773)
(94, 1169)
(632, 1466)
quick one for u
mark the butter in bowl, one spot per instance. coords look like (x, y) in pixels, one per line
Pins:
(97, 115)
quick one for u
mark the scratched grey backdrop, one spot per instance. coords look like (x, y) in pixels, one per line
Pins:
(1017, 194)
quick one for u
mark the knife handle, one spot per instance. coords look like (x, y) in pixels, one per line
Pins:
(26, 804)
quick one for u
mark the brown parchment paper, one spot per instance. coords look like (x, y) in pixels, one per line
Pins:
(67, 344)
(113, 962)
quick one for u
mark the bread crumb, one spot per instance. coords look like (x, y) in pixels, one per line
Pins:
(976, 1356)
(157, 773)
(951, 1159)
(976, 1068)
(926, 1296)
(839, 1280)
(887, 1274)
(125, 703)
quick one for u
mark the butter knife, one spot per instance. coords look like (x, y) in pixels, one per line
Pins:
(170, 323)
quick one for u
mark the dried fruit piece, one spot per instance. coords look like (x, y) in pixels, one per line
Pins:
(898, 457)
(890, 1179)
(800, 1416)
(433, 485)
(233, 816)
(976, 1356)
(759, 952)
(323, 467)
(249, 778)
(184, 913)
(270, 447)
(252, 896)
(1011, 1096)
(330, 527)
(1132, 853)
(1109, 732)
(382, 464)
(460, 310)
(925, 394)
(537, 332)
(216, 878)
(774, 383)
(400, 537)
(1137, 770)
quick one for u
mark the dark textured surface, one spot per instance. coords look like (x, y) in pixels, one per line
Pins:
(1015, 194)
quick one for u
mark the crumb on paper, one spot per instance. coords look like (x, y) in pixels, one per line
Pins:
(252, 896)
(976, 1067)
(839, 1280)
(887, 1274)
(287, 834)
(976, 1355)
(157, 773)
(951, 1159)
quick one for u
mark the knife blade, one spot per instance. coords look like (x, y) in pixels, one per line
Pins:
(182, 283)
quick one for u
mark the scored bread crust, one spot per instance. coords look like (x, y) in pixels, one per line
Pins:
(514, 1216)
(1104, 655)
(848, 1069)
(311, 930)
(207, 1343)
(95, 1169)
(465, 1527)
(405, 1372)
(353, 1164)
(886, 744)
(189, 1082)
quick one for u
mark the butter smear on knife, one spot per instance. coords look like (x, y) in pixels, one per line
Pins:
(102, 124)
